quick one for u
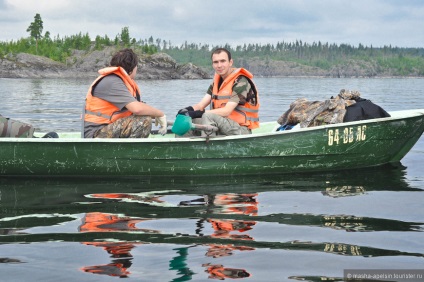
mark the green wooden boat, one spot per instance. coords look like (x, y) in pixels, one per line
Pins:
(350, 145)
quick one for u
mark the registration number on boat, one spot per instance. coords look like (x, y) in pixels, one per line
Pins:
(346, 135)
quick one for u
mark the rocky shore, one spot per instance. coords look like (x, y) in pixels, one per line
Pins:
(351, 68)
(86, 64)
(83, 64)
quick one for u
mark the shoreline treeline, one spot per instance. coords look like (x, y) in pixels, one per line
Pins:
(404, 61)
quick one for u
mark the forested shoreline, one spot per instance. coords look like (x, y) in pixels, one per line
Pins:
(283, 58)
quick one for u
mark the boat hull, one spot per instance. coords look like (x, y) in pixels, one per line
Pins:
(324, 148)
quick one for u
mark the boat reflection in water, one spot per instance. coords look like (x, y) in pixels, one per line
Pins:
(210, 225)
(244, 204)
(121, 259)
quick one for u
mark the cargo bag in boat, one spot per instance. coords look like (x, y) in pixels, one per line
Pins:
(364, 109)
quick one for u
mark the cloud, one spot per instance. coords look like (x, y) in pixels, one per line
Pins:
(370, 22)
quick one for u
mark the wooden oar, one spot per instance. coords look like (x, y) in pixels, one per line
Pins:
(208, 128)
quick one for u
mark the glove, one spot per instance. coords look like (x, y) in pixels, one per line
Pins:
(195, 114)
(161, 121)
(185, 110)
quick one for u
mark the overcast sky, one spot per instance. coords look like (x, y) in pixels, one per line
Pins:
(369, 22)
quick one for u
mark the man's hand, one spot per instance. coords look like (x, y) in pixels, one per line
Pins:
(161, 121)
(185, 110)
(195, 114)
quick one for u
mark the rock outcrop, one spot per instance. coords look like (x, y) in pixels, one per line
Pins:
(82, 64)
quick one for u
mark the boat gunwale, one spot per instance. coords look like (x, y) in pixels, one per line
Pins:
(395, 115)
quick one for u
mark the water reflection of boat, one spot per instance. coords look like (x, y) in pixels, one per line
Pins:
(225, 195)
(359, 144)
(218, 271)
(215, 271)
(122, 259)
(343, 191)
(224, 215)
(61, 190)
(107, 222)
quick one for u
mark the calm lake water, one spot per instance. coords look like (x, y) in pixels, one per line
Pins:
(307, 227)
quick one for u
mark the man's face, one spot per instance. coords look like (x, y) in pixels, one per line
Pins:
(221, 64)
(134, 72)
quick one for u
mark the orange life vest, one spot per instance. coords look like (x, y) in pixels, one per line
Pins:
(245, 115)
(104, 222)
(218, 271)
(231, 225)
(112, 269)
(103, 112)
(237, 203)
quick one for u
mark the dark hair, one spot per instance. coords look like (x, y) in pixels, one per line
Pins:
(220, 50)
(125, 58)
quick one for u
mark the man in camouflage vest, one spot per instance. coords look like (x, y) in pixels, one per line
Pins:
(233, 98)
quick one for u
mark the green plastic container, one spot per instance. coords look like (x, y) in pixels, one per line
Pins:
(182, 125)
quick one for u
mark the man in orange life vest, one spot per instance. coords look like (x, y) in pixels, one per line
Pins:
(113, 107)
(233, 98)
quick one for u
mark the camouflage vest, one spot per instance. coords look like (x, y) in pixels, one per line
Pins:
(13, 128)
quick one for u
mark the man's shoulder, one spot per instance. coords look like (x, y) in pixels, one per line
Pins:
(111, 79)
(242, 83)
(107, 83)
(242, 78)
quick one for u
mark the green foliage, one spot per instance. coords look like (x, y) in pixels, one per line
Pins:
(403, 64)
(59, 49)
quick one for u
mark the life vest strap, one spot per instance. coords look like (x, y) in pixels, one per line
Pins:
(220, 97)
(252, 119)
(244, 114)
(249, 110)
(98, 114)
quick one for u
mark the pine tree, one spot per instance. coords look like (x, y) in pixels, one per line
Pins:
(125, 36)
(35, 29)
